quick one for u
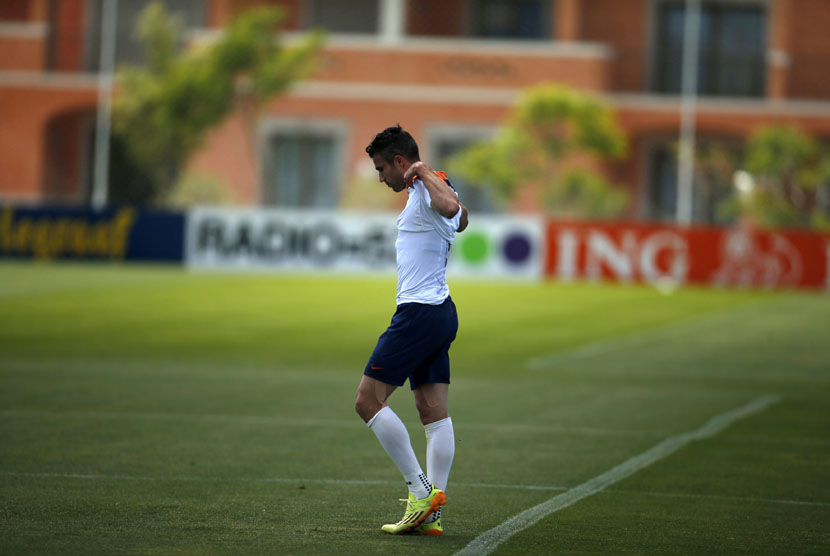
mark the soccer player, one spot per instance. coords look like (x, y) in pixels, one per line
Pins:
(416, 344)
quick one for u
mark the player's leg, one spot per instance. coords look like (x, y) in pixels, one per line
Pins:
(401, 349)
(371, 397)
(390, 431)
(431, 386)
(431, 390)
(393, 436)
(431, 399)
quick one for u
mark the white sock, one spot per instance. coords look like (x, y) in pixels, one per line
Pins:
(393, 436)
(440, 452)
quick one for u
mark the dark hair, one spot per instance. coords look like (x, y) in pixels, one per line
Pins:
(392, 141)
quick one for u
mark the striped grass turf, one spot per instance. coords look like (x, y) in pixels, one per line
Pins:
(151, 410)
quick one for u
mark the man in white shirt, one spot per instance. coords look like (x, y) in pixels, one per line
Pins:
(416, 344)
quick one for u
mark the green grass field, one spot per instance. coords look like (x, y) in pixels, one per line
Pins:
(155, 411)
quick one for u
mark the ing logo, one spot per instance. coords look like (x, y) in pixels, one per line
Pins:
(748, 261)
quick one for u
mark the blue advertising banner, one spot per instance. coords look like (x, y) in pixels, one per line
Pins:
(113, 234)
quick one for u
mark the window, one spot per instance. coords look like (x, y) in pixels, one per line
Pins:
(662, 191)
(68, 156)
(337, 16)
(127, 47)
(300, 168)
(510, 19)
(731, 60)
(716, 160)
(443, 146)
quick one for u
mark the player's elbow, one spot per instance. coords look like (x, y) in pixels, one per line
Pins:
(448, 208)
(463, 221)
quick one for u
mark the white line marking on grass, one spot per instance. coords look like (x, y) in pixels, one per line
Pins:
(514, 428)
(194, 417)
(284, 480)
(511, 487)
(650, 335)
(145, 367)
(311, 422)
(488, 541)
(721, 497)
(599, 347)
(358, 482)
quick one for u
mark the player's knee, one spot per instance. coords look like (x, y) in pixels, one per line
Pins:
(422, 407)
(359, 404)
(430, 413)
(366, 406)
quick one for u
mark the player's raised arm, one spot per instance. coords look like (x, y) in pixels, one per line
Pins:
(462, 224)
(443, 199)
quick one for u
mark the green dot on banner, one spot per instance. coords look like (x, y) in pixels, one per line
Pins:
(474, 248)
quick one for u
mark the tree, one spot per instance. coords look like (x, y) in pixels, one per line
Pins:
(716, 161)
(549, 141)
(785, 180)
(164, 109)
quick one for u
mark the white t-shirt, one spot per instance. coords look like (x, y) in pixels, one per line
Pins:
(423, 245)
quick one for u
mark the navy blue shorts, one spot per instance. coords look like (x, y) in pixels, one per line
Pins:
(416, 345)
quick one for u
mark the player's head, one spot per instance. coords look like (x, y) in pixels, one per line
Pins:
(394, 141)
(392, 151)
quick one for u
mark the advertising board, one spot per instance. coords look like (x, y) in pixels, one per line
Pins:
(114, 234)
(499, 246)
(329, 241)
(289, 240)
(735, 257)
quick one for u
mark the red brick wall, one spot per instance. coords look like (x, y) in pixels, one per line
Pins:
(26, 112)
(14, 10)
(462, 68)
(809, 37)
(69, 34)
(22, 53)
(220, 12)
(65, 155)
(622, 24)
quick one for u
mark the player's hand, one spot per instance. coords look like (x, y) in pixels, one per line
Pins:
(416, 170)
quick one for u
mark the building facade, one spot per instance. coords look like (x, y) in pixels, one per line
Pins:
(447, 70)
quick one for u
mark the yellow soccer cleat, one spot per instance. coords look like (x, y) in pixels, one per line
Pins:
(433, 529)
(417, 510)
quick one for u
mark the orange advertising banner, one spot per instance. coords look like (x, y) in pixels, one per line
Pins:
(674, 255)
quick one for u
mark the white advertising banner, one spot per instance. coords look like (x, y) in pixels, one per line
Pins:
(351, 242)
(289, 240)
(499, 246)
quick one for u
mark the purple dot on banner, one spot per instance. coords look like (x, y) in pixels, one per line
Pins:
(516, 248)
